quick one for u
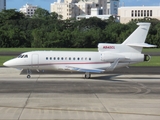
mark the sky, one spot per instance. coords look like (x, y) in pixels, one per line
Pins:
(45, 4)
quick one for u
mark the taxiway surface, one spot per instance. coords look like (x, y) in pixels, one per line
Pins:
(71, 97)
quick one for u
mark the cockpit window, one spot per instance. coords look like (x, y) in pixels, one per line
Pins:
(22, 56)
(19, 56)
(26, 56)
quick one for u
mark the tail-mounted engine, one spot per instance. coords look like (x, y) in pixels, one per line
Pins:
(147, 58)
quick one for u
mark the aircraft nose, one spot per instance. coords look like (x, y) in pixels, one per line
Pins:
(7, 63)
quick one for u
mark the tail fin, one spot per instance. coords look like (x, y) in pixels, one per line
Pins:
(138, 37)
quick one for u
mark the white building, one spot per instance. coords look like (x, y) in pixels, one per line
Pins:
(138, 12)
(73, 8)
(2, 5)
(70, 8)
(95, 13)
(28, 10)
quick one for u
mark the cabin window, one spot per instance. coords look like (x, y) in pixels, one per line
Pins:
(69, 58)
(61, 58)
(85, 58)
(74, 58)
(89, 58)
(54, 58)
(65, 58)
(50, 58)
(82, 58)
(46, 58)
(78, 59)
(58, 58)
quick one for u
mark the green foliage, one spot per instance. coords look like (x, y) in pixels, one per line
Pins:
(48, 30)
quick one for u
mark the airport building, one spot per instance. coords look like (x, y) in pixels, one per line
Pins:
(28, 10)
(138, 12)
(2, 5)
(73, 8)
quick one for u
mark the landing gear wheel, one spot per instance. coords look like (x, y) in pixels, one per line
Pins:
(87, 75)
(28, 76)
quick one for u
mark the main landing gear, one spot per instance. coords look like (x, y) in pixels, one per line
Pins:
(87, 75)
(28, 73)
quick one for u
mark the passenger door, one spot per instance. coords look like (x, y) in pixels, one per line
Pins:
(35, 61)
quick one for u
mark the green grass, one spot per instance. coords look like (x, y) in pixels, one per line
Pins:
(63, 49)
(36, 49)
(155, 61)
(151, 50)
(4, 59)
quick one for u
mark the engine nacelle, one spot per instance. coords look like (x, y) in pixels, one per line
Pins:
(111, 57)
(147, 58)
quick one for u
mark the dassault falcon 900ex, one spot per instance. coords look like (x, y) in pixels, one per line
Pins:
(107, 58)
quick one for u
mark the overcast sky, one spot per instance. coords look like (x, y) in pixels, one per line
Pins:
(11, 4)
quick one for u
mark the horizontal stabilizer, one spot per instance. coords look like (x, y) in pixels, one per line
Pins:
(142, 45)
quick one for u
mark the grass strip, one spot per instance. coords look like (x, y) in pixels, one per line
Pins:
(63, 49)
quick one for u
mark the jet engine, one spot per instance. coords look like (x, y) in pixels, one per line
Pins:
(111, 57)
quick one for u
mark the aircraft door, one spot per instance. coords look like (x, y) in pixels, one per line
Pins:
(35, 61)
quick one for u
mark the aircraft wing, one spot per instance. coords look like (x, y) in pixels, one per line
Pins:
(84, 69)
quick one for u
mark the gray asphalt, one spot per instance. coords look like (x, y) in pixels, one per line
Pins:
(130, 70)
(71, 97)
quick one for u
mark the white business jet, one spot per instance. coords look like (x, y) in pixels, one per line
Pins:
(107, 58)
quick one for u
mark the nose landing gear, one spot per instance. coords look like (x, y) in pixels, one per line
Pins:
(28, 73)
(28, 76)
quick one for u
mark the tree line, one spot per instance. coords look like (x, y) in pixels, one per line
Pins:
(48, 30)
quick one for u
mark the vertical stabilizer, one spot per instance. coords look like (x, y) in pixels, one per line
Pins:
(137, 39)
(139, 35)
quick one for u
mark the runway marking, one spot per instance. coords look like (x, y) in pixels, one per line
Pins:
(87, 111)
(24, 107)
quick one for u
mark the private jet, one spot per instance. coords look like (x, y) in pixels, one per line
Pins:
(107, 58)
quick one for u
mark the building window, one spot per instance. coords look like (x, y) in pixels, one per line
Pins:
(132, 14)
(141, 13)
(135, 13)
(144, 13)
(150, 12)
(147, 12)
(138, 13)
